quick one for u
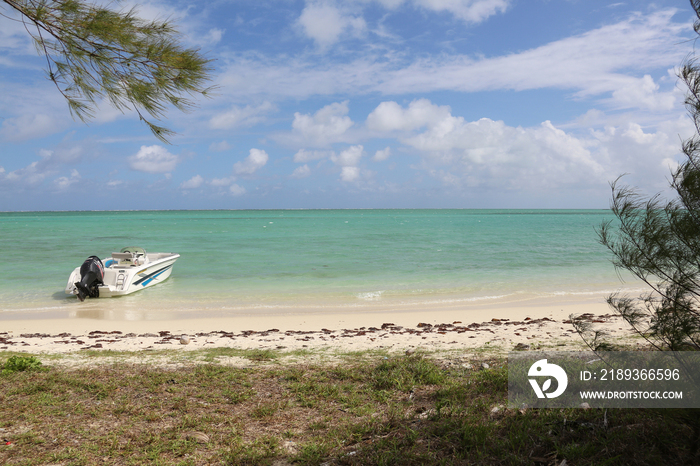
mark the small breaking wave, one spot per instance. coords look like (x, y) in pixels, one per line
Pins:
(370, 295)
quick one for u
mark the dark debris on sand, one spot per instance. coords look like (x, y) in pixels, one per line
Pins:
(100, 337)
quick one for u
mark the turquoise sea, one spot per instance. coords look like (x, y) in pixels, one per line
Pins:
(282, 261)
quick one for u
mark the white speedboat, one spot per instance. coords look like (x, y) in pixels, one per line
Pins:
(131, 269)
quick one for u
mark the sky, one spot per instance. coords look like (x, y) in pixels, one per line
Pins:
(497, 104)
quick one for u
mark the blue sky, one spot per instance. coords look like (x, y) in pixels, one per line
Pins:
(370, 104)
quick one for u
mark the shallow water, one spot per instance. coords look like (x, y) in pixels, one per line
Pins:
(239, 262)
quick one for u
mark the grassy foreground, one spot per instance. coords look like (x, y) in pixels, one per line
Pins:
(358, 409)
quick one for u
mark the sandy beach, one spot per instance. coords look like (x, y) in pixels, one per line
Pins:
(542, 323)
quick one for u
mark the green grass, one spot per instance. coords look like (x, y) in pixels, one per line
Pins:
(372, 408)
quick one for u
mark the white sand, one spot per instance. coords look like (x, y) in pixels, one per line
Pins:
(535, 322)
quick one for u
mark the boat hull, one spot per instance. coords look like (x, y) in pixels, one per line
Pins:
(120, 280)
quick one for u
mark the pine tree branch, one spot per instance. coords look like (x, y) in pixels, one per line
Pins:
(96, 53)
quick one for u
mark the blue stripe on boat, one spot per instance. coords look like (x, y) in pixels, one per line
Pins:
(151, 276)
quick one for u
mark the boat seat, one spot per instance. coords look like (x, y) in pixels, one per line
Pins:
(123, 258)
(130, 258)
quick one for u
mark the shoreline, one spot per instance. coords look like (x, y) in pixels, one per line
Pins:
(533, 324)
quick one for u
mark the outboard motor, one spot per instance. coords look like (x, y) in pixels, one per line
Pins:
(92, 273)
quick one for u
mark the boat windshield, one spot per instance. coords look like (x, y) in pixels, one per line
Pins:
(134, 250)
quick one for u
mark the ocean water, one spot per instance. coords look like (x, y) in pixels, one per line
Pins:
(242, 262)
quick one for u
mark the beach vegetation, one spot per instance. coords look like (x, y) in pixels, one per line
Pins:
(658, 242)
(261, 354)
(119, 355)
(20, 364)
(95, 55)
(412, 410)
(254, 354)
(405, 373)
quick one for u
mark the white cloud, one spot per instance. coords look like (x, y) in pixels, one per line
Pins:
(193, 183)
(106, 113)
(222, 181)
(637, 134)
(236, 190)
(256, 160)
(491, 149)
(301, 172)
(382, 155)
(348, 161)
(325, 23)
(349, 174)
(214, 35)
(52, 161)
(304, 156)
(471, 11)
(589, 63)
(14, 39)
(327, 125)
(670, 163)
(65, 153)
(219, 146)
(155, 10)
(33, 174)
(193, 24)
(390, 116)
(486, 152)
(64, 182)
(31, 126)
(591, 118)
(597, 63)
(490, 154)
(241, 117)
(618, 65)
(153, 159)
(644, 154)
(349, 157)
(642, 93)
